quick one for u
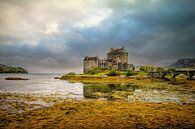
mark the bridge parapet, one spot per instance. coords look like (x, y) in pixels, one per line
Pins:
(188, 73)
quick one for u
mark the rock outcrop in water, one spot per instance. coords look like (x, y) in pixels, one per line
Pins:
(9, 69)
(16, 78)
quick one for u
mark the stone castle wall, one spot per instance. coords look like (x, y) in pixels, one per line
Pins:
(117, 59)
(90, 63)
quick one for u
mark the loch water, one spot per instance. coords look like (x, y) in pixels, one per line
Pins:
(45, 84)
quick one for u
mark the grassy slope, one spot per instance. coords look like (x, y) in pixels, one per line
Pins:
(139, 81)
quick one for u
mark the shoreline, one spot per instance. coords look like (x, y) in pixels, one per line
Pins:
(101, 79)
(137, 80)
(21, 111)
(89, 114)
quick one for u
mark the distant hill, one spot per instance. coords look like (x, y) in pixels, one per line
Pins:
(184, 63)
(9, 69)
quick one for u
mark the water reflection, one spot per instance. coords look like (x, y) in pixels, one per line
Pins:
(133, 93)
(46, 85)
(41, 85)
(108, 91)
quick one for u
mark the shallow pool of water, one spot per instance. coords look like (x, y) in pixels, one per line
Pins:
(132, 93)
(45, 84)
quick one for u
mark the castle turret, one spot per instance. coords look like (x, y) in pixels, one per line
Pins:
(89, 63)
(118, 55)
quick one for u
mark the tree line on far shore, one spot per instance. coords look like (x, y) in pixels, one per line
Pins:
(9, 69)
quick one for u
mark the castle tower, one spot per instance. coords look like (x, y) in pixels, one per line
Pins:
(119, 58)
(89, 63)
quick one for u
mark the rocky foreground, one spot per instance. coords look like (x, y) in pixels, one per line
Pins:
(24, 111)
(92, 114)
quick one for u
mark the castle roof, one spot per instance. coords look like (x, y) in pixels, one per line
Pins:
(91, 58)
(117, 50)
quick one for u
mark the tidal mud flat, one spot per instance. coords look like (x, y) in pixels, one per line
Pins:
(91, 114)
(142, 103)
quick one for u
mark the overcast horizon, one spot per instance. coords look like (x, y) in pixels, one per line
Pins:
(53, 36)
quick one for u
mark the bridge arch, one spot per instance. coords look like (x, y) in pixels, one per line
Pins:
(162, 75)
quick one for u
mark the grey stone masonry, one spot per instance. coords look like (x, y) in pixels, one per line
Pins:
(117, 59)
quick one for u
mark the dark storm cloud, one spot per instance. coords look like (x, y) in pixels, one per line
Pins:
(157, 32)
(153, 31)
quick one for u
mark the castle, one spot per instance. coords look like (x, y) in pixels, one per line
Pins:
(117, 59)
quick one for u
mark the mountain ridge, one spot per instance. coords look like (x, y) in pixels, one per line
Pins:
(184, 63)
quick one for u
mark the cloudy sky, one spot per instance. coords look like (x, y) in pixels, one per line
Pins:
(55, 35)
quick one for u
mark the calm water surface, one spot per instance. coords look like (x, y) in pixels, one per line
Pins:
(41, 84)
(45, 84)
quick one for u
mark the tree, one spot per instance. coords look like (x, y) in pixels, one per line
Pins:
(147, 69)
(160, 69)
(71, 74)
(171, 70)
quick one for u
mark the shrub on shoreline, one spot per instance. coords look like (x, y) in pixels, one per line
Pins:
(130, 73)
(113, 73)
(71, 73)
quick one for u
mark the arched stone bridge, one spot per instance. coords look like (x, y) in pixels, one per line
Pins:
(188, 73)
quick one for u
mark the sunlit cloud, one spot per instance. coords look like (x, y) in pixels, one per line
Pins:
(93, 19)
